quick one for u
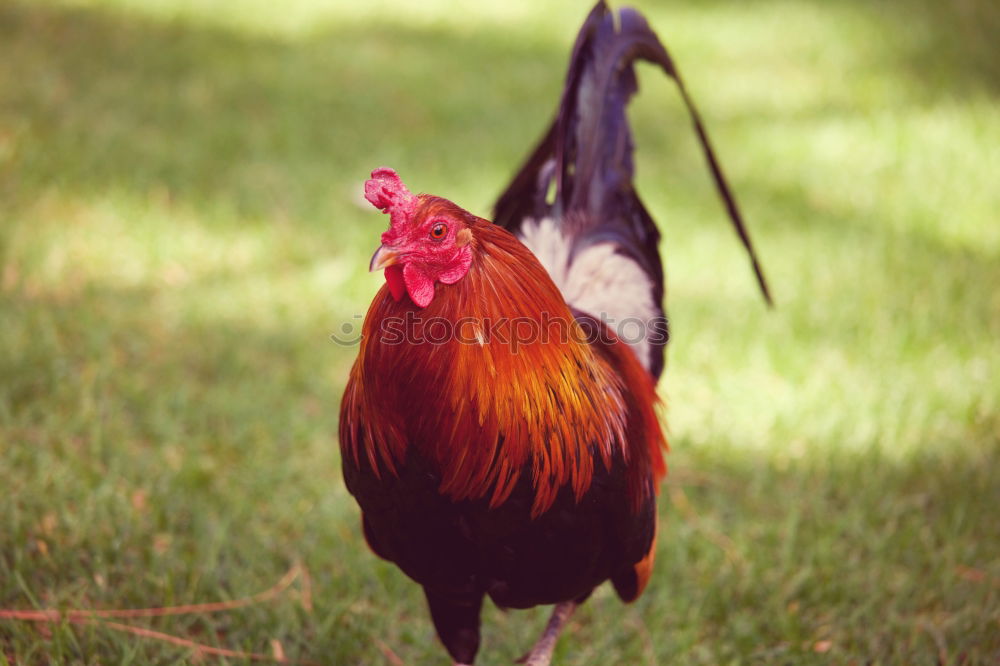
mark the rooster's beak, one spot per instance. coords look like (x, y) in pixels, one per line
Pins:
(384, 256)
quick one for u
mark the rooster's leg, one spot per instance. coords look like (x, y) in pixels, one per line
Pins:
(541, 654)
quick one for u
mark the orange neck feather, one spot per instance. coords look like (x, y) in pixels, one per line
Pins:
(493, 376)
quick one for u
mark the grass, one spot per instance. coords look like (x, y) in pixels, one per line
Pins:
(180, 234)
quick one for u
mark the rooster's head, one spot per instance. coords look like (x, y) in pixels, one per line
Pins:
(429, 239)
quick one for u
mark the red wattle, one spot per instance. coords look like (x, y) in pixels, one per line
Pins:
(419, 285)
(394, 278)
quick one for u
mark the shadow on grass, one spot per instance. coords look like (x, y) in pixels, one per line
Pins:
(103, 99)
(948, 48)
(940, 48)
(771, 548)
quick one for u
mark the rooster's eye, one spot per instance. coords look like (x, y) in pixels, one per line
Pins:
(438, 231)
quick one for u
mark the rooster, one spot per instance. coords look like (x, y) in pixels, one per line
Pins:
(500, 436)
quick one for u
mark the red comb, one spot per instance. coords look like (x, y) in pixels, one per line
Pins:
(386, 192)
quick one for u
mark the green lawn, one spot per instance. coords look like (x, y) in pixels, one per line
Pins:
(181, 232)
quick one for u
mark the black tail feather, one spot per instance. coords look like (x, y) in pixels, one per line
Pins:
(587, 151)
(723, 186)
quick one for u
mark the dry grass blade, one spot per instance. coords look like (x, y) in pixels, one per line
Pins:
(202, 649)
(86, 616)
(388, 653)
(51, 615)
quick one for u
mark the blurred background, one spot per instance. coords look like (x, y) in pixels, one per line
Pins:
(181, 232)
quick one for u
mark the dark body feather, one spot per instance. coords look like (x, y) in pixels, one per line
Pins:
(470, 548)
(461, 551)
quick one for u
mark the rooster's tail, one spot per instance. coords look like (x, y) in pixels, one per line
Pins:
(573, 201)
